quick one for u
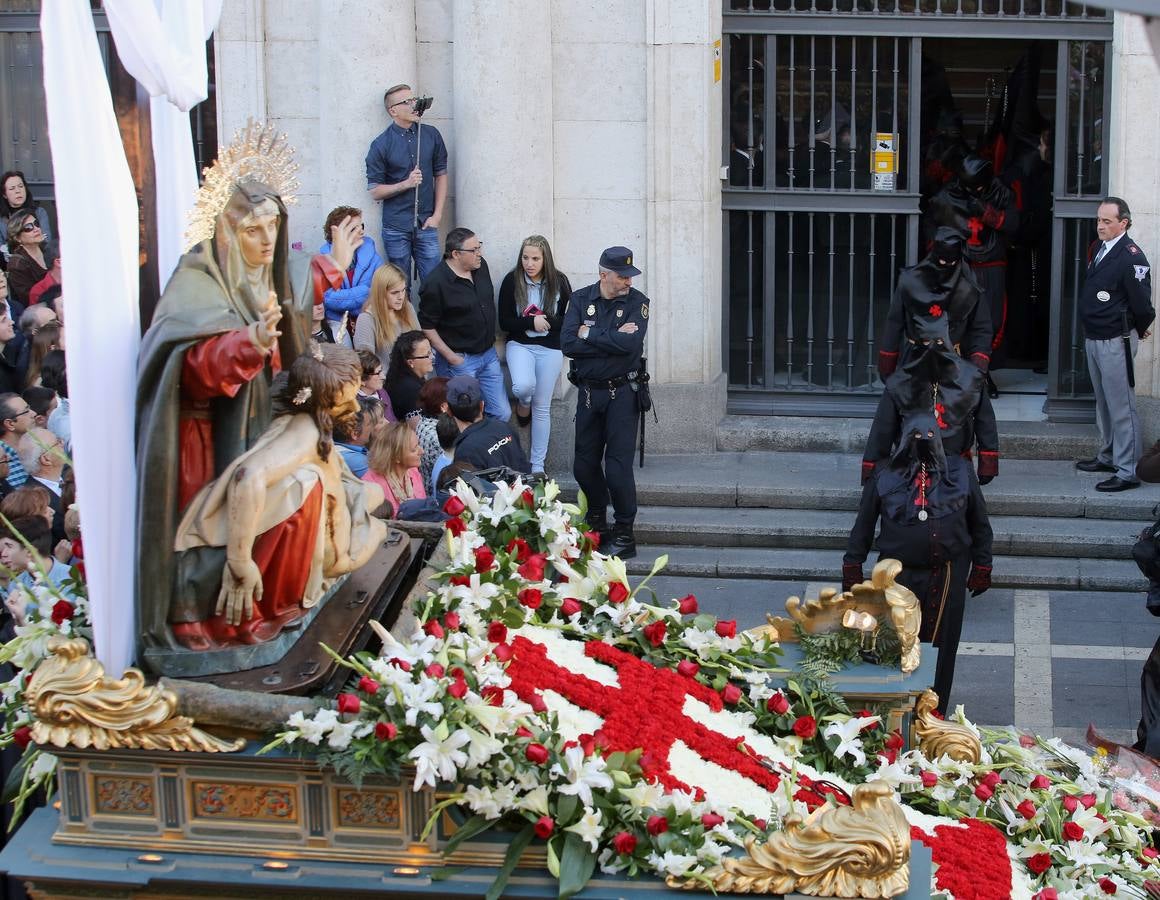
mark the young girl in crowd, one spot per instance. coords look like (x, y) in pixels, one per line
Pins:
(532, 302)
(387, 314)
(394, 464)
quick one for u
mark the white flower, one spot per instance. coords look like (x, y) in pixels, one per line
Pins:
(481, 800)
(475, 592)
(505, 795)
(535, 800)
(582, 775)
(589, 827)
(671, 863)
(847, 733)
(312, 730)
(682, 801)
(438, 757)
(1090, 821)
(42, 766)
(341, 734)
(644, 795)
(481, 747)
(418, 697)
(894, 774)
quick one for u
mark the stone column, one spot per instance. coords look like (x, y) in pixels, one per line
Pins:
(503, 153)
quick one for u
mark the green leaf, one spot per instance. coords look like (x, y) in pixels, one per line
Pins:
(515, 850)
(442, 874)
(553, 860)
(566, 808)
(513, 617)
(704, 622)
(577, 863)
(15, 779)
(477, 824)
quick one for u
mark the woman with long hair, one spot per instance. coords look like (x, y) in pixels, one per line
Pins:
(532, 301)
(412, 361)
(394, 457)
(29, 258)
(386, 315)
(46, 339)
(14, 195)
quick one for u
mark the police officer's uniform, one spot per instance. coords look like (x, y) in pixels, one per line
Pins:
(605, 366)
(1115, 303)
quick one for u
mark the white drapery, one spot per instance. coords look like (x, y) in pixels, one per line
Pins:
(97, 219)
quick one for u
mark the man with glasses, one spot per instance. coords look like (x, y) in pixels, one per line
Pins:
(457, 313)
(401, 163)
(16, 418)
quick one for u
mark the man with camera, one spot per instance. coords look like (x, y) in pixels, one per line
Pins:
(407, 171)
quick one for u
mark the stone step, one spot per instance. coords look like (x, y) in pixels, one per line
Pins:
(811, 529)
(826, 566)
(1017, 440)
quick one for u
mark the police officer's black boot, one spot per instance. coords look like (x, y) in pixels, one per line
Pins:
(623, 543)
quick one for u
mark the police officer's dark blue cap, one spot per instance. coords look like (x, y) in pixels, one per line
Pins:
(619, 260)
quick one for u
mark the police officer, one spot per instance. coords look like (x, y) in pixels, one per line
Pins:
(1115, 307)
(603, 335)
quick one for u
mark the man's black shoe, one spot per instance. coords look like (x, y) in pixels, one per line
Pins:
(1094, 465)
(623, 543)
(1116, 484)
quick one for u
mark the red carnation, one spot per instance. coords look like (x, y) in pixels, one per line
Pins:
(711, 820)
(451, 621)
(454, 506)
(657, 825)
(929, 779)
(1070, 803)
(1040, 783)
(536, 753)
(435, 670)
(726, 628)
(777, 704)
(655, 633)
(62, 610)
(497, 632)
(457, 689)
(22, 736)
(484, 558)
(368, 685)
(624, 843)
(1087, 801)
(1026, 809)
(688, 668)
(531, 597)
(532, 568)
(455, 525)
(618, 593)
(1073, 831)
(520, 548)
(983, 792)
(570, 607)
(504, 652)
(544, 827)
(688, 605)
(935, 310)
(386, 731)
(805, 727)
(731, 693)
(1107, 886)
(348, 703)
(433, 628)
(1039, 863)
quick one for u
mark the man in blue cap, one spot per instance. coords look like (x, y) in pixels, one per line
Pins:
(603, 335)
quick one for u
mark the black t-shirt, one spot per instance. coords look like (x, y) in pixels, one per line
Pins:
(461, 310)
(404, 395)
(490, 442)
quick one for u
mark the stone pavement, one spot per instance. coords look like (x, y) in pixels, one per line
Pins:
(1050, 662)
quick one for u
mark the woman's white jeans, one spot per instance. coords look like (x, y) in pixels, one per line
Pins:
(535, 371)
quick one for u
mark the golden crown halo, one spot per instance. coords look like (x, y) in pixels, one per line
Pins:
(257, 153)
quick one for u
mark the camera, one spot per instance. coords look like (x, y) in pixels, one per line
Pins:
(422, 104)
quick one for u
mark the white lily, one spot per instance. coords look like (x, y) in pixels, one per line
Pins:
(670, 863)
(644, 795)
(894, 774)
(589, 828)
(481, 747)
(475, 593)
(849, 743)
(535, 800)
(44, 764)
(419, 697)
(582, 775)
(481, 800)
(438, 758)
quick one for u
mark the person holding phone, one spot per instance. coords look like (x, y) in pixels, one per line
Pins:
(532, 301)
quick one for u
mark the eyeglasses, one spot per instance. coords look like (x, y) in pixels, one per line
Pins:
(410, 101)
(478, 249)
(30, 226)
(429, 355)
(22, 412)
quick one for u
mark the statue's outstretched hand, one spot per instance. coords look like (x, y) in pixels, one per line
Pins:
(241, 588)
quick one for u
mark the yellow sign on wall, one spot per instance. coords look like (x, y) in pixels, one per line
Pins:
(885, 157)
(717, 61)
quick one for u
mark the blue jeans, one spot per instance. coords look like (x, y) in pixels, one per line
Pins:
(399, 245)
(534, 372)
(486, 369)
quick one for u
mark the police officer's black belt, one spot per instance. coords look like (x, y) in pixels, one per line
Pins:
(610, 385)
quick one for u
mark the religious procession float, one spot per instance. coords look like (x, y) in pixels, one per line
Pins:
(327, 705)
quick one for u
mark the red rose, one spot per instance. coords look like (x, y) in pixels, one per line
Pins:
(688, 668)
(711, 820)
(777, 704)
(451, 621)
(368, 685)
(655, 633)
(624, 843)
(1026, 809)
(726, 628)
(544, 827)
(570, 607)
(929, 779)
(523, 732)
(537, 703)
(348, 703)
(991, 779)
(533, 568)
(591, 540)
(401, 664)
(1150, 853)
(1040, 783)
(493, 694)
(1072, 831)
(1048, 893)
(454, 506)
(62, 610)
(484, 558)
(457, 689)
(433, 628)
(504, 652)
(587, 744)
(1087, 801)
(455, 526)
(688, 605)
(805, 727)
(984, 792)
(536, 753)
(435, 670)
(657, 825)
(1039, 863)
(731, 693)
(761, 823)
(888, 756)
(1026, 740)
(531, 597)
(520, 548)
(386, 731)
(618, 593)
(460, 580)
(894, 741)
(22, 736)
(528, 498)
(497, 632)
(870, 725)
(1070, 803)
(1107, 886)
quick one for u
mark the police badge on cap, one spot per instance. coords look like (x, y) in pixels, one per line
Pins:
(619, 260)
